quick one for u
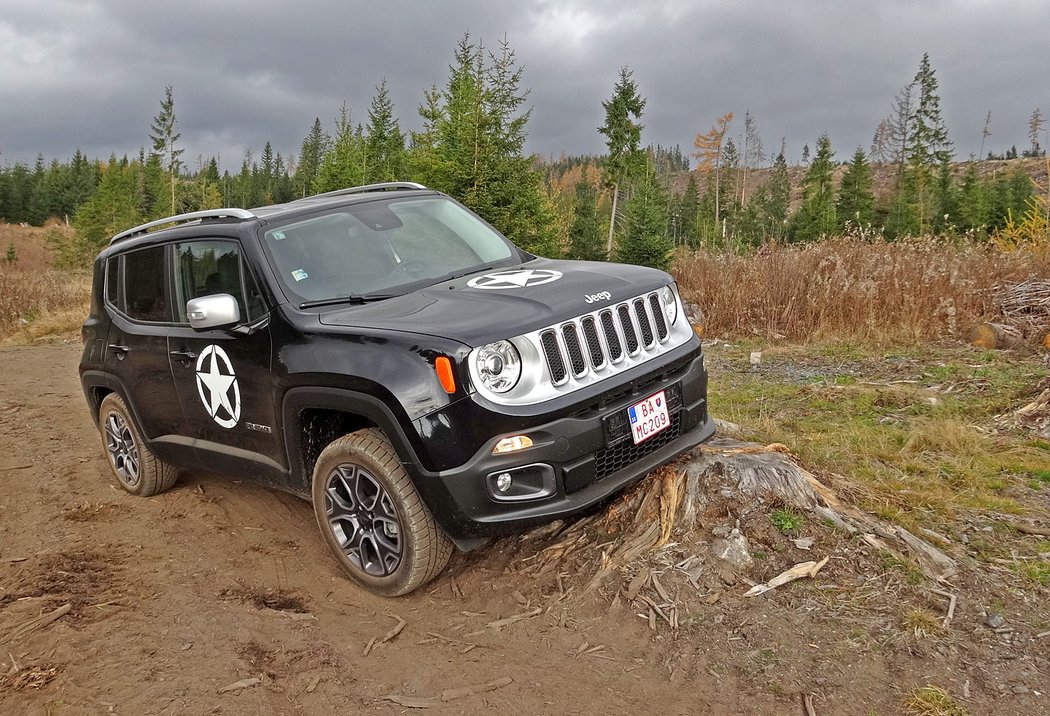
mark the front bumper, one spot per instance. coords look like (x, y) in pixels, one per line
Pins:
(587, 452)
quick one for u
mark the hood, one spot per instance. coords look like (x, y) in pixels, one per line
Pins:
(500, 303)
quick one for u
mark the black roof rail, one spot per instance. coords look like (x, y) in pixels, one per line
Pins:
(240, 214)
(382, 186)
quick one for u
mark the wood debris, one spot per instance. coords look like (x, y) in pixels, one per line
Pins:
(397, 629)
(241, 685)
(803, 569)
(500, 623)
(37, 623)
(424, 702)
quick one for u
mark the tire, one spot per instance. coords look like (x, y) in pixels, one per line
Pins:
(134, 465)
(372, 517)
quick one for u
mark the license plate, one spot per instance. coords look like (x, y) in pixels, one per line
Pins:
(648, 417)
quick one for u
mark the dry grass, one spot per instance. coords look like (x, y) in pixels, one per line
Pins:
(37, 299)
(853, 289)
(932, 701)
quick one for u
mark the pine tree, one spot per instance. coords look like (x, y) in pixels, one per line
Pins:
(266, 182)
(311, 153)
(644, 240)
(816, 215)
(11, 256)
(384, 141)
(945, 200)
(165, 141)
(856, 203)
(623, 135)
(585, 233)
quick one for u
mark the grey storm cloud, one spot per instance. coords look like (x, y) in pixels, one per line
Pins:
(89, 75)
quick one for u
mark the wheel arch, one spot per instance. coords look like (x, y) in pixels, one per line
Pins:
(314, 417)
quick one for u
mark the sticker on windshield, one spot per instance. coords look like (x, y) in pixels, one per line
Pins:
(520, 278)
(299, 275)
(277, 235)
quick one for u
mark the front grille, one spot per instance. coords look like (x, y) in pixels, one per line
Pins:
(610, 459)
(579, 346)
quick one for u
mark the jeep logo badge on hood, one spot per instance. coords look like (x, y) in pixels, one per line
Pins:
(520, 278)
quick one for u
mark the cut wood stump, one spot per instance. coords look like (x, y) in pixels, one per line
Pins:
(996, 336)
(670, 503)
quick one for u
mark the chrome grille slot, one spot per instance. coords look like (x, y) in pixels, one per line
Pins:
(574, 349)
(643, 322)
(555, 361)
(612, 338)
(658, 317)
(594, 344)
(627, 326)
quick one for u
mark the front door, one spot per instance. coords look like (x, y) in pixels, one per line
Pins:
(223, 375)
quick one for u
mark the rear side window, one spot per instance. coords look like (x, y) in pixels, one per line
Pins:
(115, 283)
(144, 285)
(205, 268)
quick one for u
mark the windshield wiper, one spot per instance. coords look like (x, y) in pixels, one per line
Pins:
(351, 299)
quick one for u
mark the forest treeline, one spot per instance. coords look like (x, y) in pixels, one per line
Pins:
(634, 203)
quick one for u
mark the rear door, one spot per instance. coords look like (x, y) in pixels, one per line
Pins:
(136, 350)
(222, 376)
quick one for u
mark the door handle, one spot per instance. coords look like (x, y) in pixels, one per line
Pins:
(119, 349)
(183, 356)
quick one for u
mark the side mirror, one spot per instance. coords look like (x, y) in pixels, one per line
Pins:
(213, 311)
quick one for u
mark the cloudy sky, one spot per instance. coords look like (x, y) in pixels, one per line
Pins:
(89, 74)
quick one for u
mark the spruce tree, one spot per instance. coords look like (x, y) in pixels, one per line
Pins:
(110, 210)
(623, 135)
(345, 165)
(585, 231)
(165, 141)
(311, 153)
(688, 210)
(778, 198)
(856, 203)
(973, 202)
(644, 240)
(384, 141)
(816, 216)
(11, 256)
(930, 146)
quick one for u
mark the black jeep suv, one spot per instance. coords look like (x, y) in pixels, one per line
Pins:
(387, 354)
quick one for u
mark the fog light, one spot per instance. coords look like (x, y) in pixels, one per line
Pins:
(517, 442)
(503, 481)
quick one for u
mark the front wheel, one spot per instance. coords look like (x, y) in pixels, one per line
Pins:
(372, 517)
(134, 465)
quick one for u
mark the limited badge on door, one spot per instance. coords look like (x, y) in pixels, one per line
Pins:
(648, 417)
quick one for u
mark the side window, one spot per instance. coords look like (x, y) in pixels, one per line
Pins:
(204, 268)
(115, 283)
(145, 292)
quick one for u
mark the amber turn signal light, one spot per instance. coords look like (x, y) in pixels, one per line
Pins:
(443, 366)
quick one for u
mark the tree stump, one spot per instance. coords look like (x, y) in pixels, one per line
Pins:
(996, 336)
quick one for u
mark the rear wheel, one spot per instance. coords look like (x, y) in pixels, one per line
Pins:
(373, 518)
(134, 465)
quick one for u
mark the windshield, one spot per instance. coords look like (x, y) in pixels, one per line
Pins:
(382, 248)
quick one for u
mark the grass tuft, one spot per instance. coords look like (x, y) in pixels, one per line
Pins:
(932, 701)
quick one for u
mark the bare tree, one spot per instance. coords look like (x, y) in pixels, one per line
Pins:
(753, 154)
(985, 133)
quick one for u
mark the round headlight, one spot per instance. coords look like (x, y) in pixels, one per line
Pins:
(670, 304)
(498, 366)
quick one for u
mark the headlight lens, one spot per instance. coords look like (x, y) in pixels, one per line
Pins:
(498, 366)
(670, 304)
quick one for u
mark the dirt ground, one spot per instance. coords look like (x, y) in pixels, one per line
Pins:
(220, 597)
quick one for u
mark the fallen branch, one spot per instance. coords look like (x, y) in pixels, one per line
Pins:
(241, 685)
(951, 606)
(425, 702)
(398, 628)
(500, 623)
(803, 569)
(37, 623)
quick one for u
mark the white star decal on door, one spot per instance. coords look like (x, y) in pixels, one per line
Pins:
(215, 382)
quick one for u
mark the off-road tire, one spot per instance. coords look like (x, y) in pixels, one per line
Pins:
(424, 547)
(124, 447)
